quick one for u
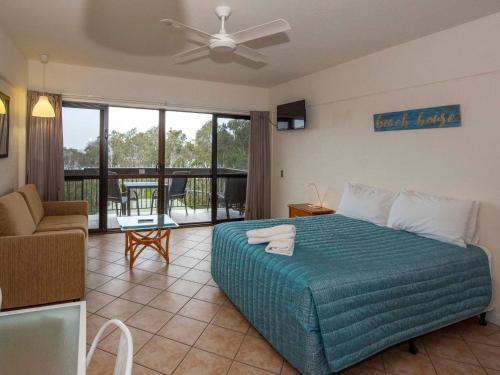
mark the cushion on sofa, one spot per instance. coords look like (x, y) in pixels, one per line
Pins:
(66, 222)
(15, 217)
(32, 198)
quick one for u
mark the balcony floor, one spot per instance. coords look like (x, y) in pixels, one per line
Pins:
(201, 215)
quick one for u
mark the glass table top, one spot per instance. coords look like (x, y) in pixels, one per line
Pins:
(146, 222)
(40, 341)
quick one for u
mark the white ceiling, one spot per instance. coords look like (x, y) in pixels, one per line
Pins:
(127, 34)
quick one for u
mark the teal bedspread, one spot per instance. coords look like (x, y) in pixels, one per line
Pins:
(350, 290)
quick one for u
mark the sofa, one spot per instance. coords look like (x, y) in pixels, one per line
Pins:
(43, 249)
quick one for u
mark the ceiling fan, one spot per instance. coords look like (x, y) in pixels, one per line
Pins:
(224, 42)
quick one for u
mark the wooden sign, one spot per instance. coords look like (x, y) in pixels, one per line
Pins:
(425, 118)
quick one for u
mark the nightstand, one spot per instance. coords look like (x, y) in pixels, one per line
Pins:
(304, 209)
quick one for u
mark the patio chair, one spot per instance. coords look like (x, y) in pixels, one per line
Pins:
(118, 198)
(125, 356)
(234, 195)
(176, 190)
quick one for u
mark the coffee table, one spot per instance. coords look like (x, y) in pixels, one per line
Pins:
(142, 232)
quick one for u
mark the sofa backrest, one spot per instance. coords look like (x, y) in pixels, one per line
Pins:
(32, 198)
(15, 217)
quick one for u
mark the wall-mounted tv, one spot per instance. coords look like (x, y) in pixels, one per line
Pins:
(291, 116)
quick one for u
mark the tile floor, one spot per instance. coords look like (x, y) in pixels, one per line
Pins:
(182, 323)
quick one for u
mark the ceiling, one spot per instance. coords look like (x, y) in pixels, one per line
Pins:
(127, 34)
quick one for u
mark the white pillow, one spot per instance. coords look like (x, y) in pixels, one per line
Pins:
(472, 236)
(366, 203)
(439, 218)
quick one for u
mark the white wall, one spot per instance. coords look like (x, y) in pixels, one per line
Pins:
(456, 66)
(13, 82)
(89, 83)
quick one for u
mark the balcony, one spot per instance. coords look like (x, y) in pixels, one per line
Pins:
(133, 191)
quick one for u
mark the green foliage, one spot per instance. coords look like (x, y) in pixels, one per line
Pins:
(134, 149)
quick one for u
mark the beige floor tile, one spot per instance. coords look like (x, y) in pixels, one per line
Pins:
(199, 254)
(238, 368)
(141, 370)
(93, 280)
(186, 261)
(220, 341)
(159, 281)
(187, 243)
(231, 318)
(183, 329)
(488, 356)
(288, 369)
(119, 309)
(161, 354)
(445, 366)
(177, 250)
(109, 256)
(204, 265)
(135, 275)
(97, 300)
(149, 319)
(110, 343)
(492, 372)
(184, 287)
(115, 287)
(211, 294)
(451, 348)
(141, 294)
(112, 270)
(203, 247)
(152, 265)
(175, 271)
(198, 362)
(212, 282)
(258, 353)
(200, 310)
(102, 363)
(197, 276)
(361, 370)
(398, 362)
(94, 323)
(254, 333)
(169, 301)
(94, 264)
(375, 362)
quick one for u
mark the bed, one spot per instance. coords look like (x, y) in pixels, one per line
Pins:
(350, 290)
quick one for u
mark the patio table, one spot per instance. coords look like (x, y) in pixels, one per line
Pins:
(139, 185)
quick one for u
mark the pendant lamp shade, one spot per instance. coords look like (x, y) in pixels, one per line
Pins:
(3, 110)
(43, 108)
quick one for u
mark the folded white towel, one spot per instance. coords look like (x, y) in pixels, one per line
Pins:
(272, 231)
(257, 240)
(281, 247)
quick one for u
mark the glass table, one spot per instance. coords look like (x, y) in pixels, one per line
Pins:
(43, 340)
(142, 232)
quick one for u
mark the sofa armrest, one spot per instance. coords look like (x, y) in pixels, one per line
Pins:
(42, 268)
(60, 208)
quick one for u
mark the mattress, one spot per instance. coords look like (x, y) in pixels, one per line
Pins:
(350, 290)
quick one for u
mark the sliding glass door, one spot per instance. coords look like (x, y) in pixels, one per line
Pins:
(132, 161)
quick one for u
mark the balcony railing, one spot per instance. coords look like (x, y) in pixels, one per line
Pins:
(83, 184)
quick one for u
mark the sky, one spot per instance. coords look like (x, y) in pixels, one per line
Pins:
(81, 126)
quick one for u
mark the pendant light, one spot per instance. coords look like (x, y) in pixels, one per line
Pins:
(3, 110)
(43, 108)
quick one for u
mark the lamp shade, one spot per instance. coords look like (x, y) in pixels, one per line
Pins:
(3, 111)
(43, 108)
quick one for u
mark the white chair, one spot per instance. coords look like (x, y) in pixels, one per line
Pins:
(124, 359)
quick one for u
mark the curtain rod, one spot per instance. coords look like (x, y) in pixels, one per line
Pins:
(150, 104)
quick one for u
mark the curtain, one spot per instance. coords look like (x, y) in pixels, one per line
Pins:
(44, 155)
(258, 201)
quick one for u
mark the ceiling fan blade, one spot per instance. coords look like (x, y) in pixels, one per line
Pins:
(191, 54)
(256, 32)
(250, 54)
(181, 26)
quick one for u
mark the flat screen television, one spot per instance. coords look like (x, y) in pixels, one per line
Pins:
(291, 116)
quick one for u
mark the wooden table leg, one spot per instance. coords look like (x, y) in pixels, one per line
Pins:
(135, 243)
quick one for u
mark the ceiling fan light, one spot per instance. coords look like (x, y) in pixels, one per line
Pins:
(3, 110)
(43, 108)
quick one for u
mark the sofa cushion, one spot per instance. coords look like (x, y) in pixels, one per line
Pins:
(66, 222)
(32, 198)
(15, 217)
